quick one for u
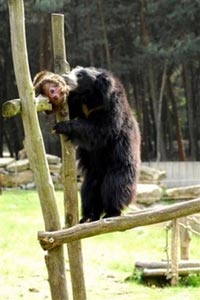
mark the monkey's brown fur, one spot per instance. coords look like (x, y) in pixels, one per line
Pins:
(54, 87)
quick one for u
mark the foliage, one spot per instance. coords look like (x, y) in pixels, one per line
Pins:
(3, 5)
(48, 5)
(135, 39)
(190, 280)
(136, 276)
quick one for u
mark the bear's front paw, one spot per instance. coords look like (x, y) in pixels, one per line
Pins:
(63, 128)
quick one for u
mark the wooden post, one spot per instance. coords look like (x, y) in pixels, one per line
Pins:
(174, 252)
(35, 147)
(69, 170)
(185, 239)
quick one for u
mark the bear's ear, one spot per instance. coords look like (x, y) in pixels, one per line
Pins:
(102, 82)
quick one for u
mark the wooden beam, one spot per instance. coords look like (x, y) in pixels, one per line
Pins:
(49, 240)
(13, 107)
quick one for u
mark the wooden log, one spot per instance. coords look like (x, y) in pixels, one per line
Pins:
(166, 272)
(13, 107)
(50, 240)
(69, 169)
(35, 147)
(164, 264)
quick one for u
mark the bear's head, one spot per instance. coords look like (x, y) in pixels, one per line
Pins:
(88, 80)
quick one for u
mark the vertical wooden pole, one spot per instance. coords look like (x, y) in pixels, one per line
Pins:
(174, 252)
(69, 170)
(185, 239)
(35, 147)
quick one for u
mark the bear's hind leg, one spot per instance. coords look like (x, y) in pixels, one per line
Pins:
(117, 192)
(91, 199)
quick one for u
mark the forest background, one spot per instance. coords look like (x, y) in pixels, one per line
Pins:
(152, 46)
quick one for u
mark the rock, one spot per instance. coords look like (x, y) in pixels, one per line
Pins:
(183, 193)
(53, 159)
(4, 161)
(16, 179)
(55, 168)
(30, 186)
(151, 175)
(18, 173)
(57, 181)
(22, 154)
(18, 166)
(148, 193)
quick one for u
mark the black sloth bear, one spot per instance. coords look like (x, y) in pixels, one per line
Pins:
(107, 138)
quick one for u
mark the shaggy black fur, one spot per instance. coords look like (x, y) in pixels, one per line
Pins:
(108, 139)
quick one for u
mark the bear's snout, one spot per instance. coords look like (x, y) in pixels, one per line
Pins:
(71, 80)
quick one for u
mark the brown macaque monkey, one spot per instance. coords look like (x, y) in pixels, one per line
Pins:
(54, 87)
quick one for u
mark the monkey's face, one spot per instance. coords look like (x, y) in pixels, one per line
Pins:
(54, 93)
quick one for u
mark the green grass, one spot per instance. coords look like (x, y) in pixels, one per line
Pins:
(108, 259)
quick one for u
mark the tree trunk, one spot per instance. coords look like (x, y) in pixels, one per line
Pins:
(89, 31)
(152, 85)
(45, 43)
(159, 116)
(1, 135)
(181, 150)
(105, 35)
(191, 123)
